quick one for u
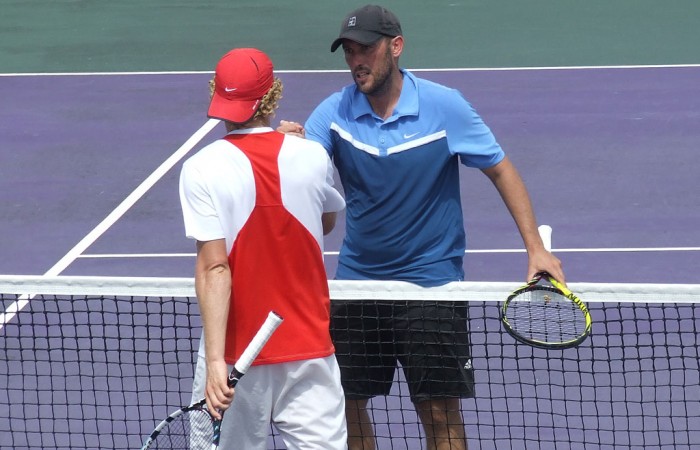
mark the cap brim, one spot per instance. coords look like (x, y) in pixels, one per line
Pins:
(360, 36)
(236, 111)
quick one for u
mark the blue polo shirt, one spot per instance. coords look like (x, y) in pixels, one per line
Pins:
(401, 179)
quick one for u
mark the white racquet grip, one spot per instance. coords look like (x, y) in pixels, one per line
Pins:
(546, 235)
(259, 340)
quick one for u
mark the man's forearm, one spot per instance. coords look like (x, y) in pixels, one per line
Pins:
(516, 198)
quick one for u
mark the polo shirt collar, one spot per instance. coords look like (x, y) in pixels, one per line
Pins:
(255, 130)
(407, 105)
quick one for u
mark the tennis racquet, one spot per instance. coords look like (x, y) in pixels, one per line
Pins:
(193, 427)
(544, 313)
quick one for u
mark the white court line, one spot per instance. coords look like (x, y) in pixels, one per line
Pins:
(599, 250)
(454, 69)
(115, 215)
(137, 255)
(481, 251)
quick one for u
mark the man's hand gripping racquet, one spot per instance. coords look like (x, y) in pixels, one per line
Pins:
(193, 426)
(544, 313)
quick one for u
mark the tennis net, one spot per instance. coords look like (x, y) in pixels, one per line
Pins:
(89, 362)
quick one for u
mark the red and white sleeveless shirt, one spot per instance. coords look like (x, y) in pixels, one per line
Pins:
(264, 193)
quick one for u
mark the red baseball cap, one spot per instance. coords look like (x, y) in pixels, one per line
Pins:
(243, 76)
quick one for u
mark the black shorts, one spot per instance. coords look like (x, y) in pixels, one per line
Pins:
(429, 339)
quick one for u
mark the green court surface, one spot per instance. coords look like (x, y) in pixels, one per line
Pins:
(48, 36)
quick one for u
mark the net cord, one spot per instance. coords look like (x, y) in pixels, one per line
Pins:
(349, 289)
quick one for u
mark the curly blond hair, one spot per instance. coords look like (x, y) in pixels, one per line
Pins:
(269, 103)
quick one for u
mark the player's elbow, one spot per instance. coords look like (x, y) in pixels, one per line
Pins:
(328, 220)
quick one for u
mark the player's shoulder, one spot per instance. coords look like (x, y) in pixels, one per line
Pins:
(211, 149)
(307, 146)
(303, 157)
(211, 154)
(338, 98)
(439, 96)
(429, 88)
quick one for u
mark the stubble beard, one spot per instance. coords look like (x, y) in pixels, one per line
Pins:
(379, 81)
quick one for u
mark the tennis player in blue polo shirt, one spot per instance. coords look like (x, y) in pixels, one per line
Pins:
(397, 141)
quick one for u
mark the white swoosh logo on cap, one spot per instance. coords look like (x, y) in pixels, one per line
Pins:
(229, 89)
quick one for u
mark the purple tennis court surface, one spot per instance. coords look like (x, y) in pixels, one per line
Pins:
(608, 156)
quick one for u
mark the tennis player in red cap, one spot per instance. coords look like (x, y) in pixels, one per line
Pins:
(258, 203)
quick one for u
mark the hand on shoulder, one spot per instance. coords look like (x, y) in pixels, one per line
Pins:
(292, 128)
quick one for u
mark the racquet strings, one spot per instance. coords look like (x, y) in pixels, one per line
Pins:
(545, 316)
(192, 430)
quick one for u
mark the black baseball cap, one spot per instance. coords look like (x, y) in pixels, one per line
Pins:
(367, 24)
